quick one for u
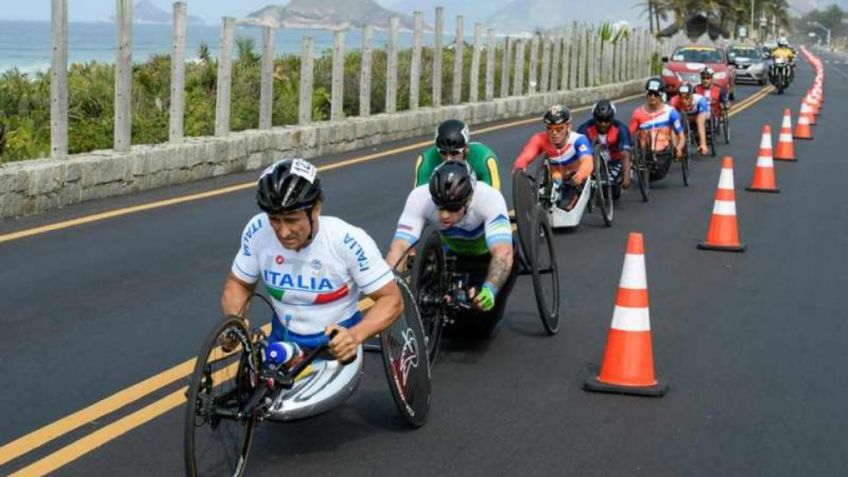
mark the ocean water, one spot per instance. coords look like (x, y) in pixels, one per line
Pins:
(26, 45)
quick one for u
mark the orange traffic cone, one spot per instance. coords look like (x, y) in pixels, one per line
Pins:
(785, 146)
(807, 110)
(764, 171)
(628, 366)
(723, 233)
(803, 130)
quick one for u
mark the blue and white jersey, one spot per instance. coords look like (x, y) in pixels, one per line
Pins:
(485, 223)
(316, 286)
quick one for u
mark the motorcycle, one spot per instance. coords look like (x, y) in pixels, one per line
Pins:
(780, 74)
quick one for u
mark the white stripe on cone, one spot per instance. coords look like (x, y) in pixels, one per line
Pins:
(765, 142)
(631, 319)
(725, 207)
(765, 161)
(633, 272)
(725, 181)
(785, 137)
(787, 123)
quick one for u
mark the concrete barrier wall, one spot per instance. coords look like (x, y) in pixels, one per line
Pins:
(29, 187)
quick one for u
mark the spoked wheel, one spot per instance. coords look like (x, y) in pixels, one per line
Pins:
(524, 197)
(640, 164)
(217, 438)
(544, 271)
(602, 187)
(726, 129)
(406, 361)
(684, 164)
(711, 135)
(428, 285)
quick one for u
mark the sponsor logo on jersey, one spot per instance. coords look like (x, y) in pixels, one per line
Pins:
(316, 264)
(248, 234)
(361, 259)
(279, 260)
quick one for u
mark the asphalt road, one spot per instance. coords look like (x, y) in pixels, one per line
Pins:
(753, 344)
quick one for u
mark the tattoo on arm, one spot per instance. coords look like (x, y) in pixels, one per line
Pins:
(499, 269)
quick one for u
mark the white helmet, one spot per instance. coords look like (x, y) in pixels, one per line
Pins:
(782, 42)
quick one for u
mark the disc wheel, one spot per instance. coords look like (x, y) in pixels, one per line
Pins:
(602, 189)
(406, 361)
(216, 440)
(544, 271)
(640, 164)
(428, 288)
(524, 199)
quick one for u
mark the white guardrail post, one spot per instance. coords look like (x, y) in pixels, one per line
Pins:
(225, 77)
(59, 79)
(415, 65)
(266, 81)
(123, 76)
(365, 72)
(304, 108)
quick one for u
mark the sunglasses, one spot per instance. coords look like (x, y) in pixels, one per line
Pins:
(557, 128)
(451, 207)
(451, 153)
(654, 93)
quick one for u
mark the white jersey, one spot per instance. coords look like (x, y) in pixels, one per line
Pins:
(485, 223)
(319, 285)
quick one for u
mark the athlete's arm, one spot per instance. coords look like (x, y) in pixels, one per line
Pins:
(531, 150)
(388, 305)
(677, 127)
(493, 171)
(235, 295)
(587, 163)
(499, 242)
(409, 227)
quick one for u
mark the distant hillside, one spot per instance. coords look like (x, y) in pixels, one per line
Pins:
(529, 15)
(146, 12)
(471, 10)
(326, 14)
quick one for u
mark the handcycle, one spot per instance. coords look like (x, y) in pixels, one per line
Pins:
(441, 280)
(604, 187)
(650, 165)
(231, 391)
(719, 124)
(596, 190)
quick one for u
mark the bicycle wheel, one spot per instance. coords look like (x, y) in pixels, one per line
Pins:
(216, 439)
(642, 173)
(684, 165)
(545, 272)
(406, 361)
(711, 136)
(429, 286)
(726, 128)
(603, 190)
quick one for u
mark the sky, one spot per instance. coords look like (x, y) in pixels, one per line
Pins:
(91, 10)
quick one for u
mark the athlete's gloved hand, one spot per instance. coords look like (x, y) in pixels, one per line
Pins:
(485, 298)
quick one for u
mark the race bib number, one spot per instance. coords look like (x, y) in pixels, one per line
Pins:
(304, 169)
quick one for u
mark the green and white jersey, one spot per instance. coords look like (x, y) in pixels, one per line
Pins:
(486, 222)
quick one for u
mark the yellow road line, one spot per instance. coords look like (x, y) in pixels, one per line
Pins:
(238, 187)
(131, 394)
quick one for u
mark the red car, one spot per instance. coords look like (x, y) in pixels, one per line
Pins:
(687, 61)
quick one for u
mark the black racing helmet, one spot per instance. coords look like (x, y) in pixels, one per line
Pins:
(685, 88)
(452, 184)
(557, 114)
(603, 110)
(287, 186)
(452, 135)
(707, 72)
(655, 85)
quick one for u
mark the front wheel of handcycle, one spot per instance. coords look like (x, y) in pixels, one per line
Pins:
(603, 190)
(217, 436)
(428, 286)
(684, 164)
(406, 361)
(544, 271)
(640, 166)
(726, 129)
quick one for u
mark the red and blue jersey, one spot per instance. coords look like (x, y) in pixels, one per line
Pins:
(617, 137)
(715, 96)
(655, 127)
(576, 146)
(698, 105)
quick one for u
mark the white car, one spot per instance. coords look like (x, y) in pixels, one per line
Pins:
(750, 63)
